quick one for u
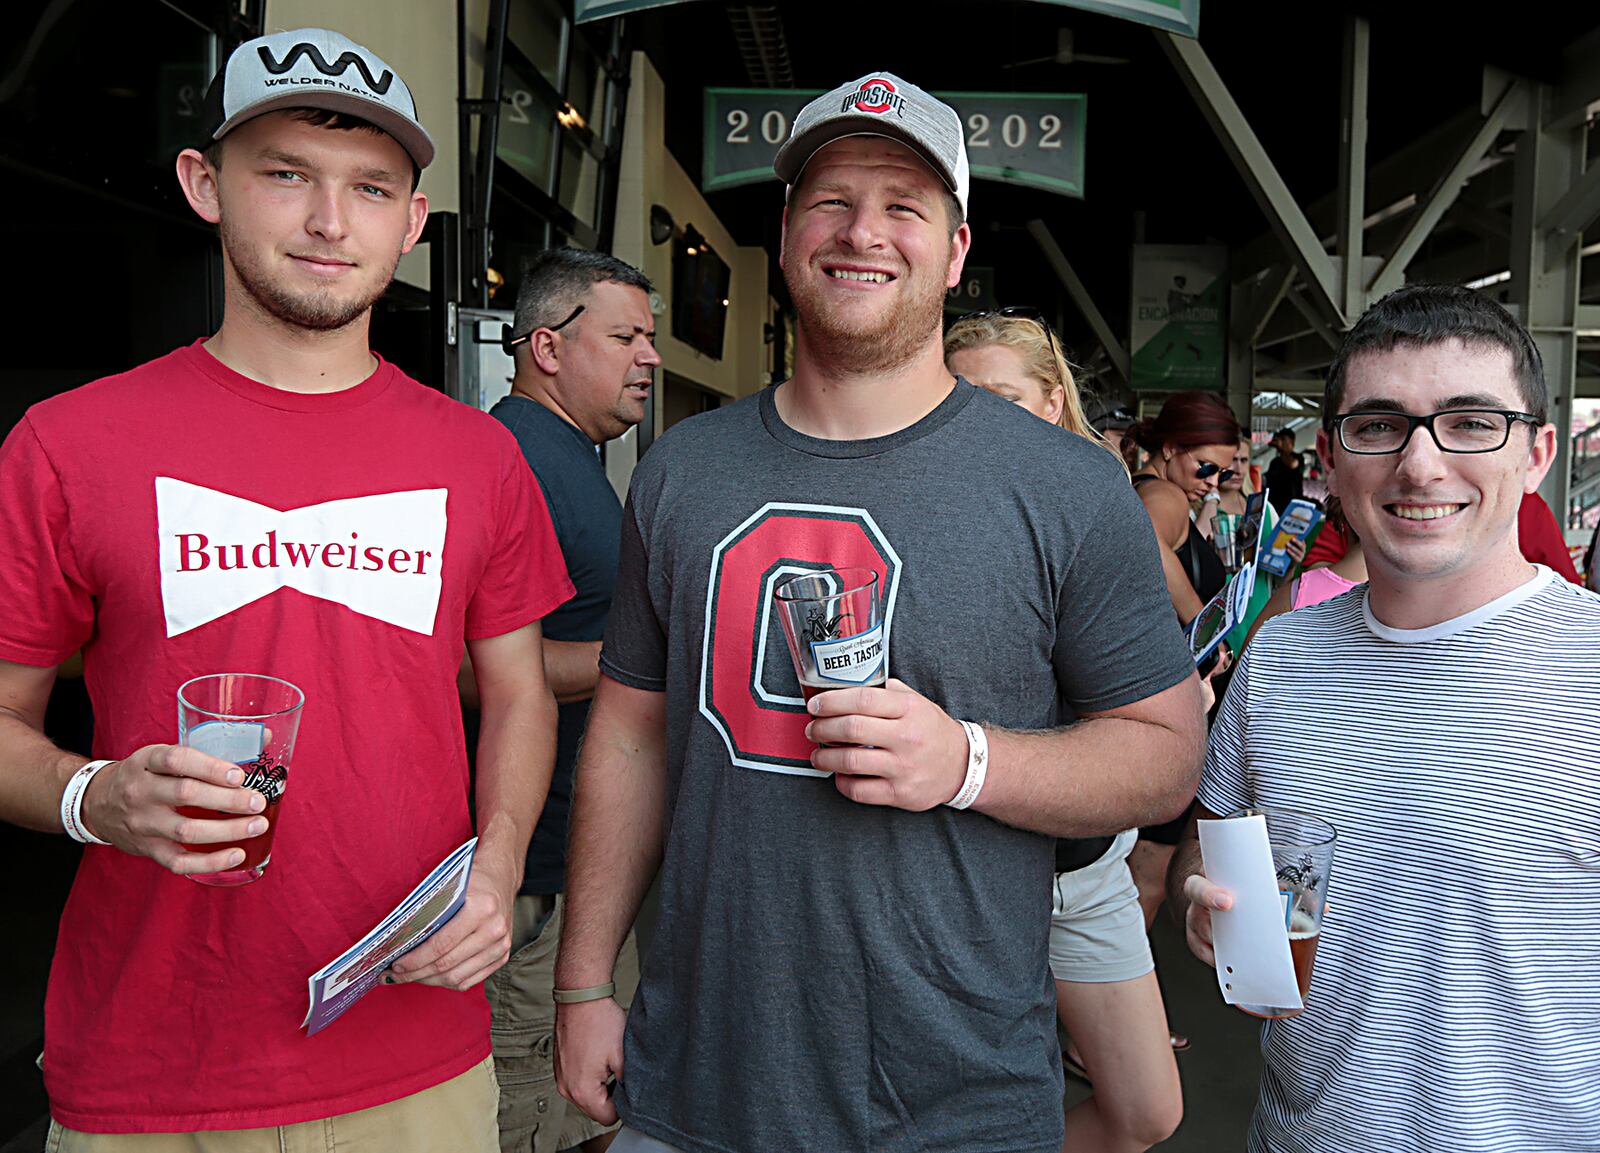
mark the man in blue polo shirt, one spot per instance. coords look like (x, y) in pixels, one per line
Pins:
(585, 363)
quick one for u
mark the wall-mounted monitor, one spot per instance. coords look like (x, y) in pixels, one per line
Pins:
(700, 283)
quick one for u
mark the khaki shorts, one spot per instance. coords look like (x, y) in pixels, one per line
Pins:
(456, 1116)
(534, 1118)
(1096, 925)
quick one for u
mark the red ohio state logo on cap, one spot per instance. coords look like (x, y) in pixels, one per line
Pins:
(875, 95)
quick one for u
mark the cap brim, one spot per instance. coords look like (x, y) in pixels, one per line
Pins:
(407, 133)
(797, 151)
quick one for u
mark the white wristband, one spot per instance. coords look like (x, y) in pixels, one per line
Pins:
(977, 766)
(72, 804)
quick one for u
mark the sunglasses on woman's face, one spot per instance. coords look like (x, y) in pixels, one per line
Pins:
(1207, 469)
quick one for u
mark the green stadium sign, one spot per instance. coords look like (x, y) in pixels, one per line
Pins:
(1029, 138)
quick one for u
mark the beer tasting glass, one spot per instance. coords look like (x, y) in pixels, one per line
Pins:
(833, 622)
(1302, 856)
(252, 721)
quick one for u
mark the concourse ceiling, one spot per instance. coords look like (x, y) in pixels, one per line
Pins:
(1152, 161)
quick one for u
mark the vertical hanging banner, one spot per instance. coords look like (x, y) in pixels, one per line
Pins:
(1180, 16)
(1179, 316)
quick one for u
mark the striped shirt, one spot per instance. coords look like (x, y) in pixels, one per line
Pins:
(1455, 1003)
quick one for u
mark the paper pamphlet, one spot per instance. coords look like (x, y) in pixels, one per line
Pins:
(1301, 519)
(345, 980)
(1221, 613)
(1251, 939)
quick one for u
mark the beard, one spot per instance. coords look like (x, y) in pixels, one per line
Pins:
(320, 310)
(847, 341)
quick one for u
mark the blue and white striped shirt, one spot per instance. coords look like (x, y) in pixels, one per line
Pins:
(1455, 1003)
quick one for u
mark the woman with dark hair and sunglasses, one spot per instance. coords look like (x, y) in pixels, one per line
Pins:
(1191, 445)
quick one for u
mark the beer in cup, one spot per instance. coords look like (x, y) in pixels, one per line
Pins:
(251, 720)
(1302, 857)
(832, 620)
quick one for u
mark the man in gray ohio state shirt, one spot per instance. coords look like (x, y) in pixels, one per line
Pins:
(845, 959)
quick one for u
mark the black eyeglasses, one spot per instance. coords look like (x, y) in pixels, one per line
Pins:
(1206, 468)
(509, 342)
(1464, 430)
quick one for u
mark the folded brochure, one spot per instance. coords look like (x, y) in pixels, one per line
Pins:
(1224, 611)
(345, 980)
(1221, 613)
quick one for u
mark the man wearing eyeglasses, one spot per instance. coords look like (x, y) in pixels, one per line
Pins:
(1446, 719)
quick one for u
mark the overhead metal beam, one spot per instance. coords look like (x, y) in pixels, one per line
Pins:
(1260, 300)
(1290, 386)
(1352, 189)
(1574, 212)
(1577, 97)
(1389, 181)
(1080, 296)
(1477, 218)
(1284, 327)
(1243, 147)
(1318, 325)
(1448, 188)
(1548, 291)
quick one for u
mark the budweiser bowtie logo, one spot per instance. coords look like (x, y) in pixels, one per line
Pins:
(380, 556)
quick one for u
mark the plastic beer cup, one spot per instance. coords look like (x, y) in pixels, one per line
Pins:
(832, 621)
(251, 720)
(1302, 857)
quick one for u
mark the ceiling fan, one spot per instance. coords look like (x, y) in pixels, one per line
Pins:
(1066, 53)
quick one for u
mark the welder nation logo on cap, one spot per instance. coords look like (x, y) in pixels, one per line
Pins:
(877, 96)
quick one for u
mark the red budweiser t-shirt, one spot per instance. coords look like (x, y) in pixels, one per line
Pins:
(179, 520)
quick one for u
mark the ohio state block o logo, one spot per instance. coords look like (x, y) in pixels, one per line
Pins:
(876, 95)
(748, 690)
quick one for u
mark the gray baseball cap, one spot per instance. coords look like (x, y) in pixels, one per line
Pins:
(313, 68)
(881, 104)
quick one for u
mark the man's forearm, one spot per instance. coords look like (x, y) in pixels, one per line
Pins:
(615, 843)
(516, 756)
(1097, 777)
(33, 773)
(572, 668)
(1185, 863)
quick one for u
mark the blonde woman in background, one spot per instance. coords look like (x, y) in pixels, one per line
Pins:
(1013, 353)
(1107, 998)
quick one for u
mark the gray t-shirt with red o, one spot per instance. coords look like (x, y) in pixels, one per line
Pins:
(827, 975)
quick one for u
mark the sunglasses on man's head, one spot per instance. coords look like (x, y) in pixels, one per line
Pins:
(1207, 469)
(509, 340)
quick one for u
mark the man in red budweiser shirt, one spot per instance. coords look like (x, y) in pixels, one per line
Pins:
(277, 499)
